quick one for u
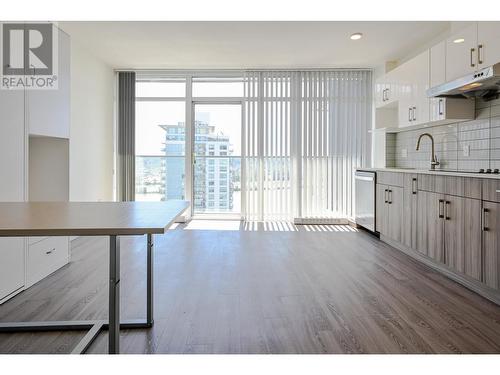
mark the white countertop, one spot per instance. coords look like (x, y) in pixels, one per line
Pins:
(435, 172)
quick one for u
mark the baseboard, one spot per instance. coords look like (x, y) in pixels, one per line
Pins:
(469, 283)
(319, 221)
(14, 293)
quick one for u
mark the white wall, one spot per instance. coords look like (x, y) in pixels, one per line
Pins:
(91, 133)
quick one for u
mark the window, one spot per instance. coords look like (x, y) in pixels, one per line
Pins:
(217, 87)
(160, 150)
(157, 88)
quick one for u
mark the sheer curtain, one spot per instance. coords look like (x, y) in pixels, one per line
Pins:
(304, 134)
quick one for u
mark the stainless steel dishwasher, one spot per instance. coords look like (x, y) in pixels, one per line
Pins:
(365, 199)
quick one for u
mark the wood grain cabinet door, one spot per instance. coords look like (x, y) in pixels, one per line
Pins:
(491, 244)
(410, 199)
(463, 235)
(454, 233)
(381, 210)
(430, 225)
(472, 238)
(395, 213)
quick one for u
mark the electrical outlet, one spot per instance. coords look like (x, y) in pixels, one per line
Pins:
(466, 150)
(404, 153)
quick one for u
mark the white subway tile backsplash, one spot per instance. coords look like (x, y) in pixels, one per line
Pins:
(481, 137)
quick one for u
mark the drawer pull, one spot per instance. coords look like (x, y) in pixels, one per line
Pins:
(440, 209)
(50, 251)
(485, 226)
(446, 205)
(414, 185)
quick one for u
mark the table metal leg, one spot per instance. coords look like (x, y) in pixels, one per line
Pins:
(150, 281)
(94, 327)
(114, 295)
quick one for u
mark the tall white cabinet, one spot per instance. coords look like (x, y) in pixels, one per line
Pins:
(34, 165)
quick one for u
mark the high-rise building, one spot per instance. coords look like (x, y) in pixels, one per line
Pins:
(213, 189)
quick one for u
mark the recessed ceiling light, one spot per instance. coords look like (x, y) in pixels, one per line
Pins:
(459, 40)
(356, 36)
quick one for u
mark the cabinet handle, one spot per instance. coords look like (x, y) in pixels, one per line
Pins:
(414, 186)
(414, 113)
(409, 114)
(485, 227)
(479, 57)
(441, 209)
(440, 107)
(385, 196)
(387, 94)
(384, 97)
(50, 251)
(472, 50)
(447, 204)
(390, 196)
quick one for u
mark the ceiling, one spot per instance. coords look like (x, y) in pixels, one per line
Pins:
(206, 45)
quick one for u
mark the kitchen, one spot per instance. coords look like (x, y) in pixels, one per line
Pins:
(437, 187)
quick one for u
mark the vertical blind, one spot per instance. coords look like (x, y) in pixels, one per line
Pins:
(126, 136)
(304, 134)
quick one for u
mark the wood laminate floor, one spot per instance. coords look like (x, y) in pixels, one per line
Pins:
(256, 289)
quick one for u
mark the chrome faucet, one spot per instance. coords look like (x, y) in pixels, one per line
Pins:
(434, 161)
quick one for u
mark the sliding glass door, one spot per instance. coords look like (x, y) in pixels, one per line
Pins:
(217, 158)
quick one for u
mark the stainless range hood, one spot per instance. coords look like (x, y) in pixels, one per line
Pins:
(484, 83)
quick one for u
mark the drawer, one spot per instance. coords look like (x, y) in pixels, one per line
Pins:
(491, 190)
(431, 183)
(33, 240)
(451, 185)
(45, 257)
(390, 178)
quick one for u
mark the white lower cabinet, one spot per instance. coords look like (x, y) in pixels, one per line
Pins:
(45, 257)
(11, 266)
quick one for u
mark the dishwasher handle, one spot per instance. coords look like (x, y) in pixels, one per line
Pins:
(364, 176)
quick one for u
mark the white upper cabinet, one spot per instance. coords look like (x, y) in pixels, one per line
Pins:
(387, 89)
(49, 110)
(461, 53)
(438, 64)
(488, 43)
(380, 86)
(413, 103)
(420, 67)
(12, 178)
(12, 145)
(392, 87)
